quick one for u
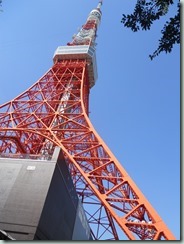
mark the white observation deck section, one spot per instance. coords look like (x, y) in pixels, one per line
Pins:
(79, 52)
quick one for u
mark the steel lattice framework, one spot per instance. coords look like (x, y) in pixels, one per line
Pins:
(54, 112)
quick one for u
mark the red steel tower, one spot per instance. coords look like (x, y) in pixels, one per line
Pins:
(54, 113)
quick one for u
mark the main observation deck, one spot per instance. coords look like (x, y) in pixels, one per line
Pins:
(79, 52)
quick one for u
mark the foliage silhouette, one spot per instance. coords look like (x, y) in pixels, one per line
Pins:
(145, 13)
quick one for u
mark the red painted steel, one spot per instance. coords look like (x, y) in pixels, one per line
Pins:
(54, 112)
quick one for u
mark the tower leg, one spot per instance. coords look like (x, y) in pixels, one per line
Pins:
(54, 112)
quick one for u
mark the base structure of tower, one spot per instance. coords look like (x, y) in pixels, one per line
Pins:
(39, 201)
(60, 181)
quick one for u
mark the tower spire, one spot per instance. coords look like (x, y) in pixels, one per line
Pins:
(87, 33)
(100, 4)
(83, 44)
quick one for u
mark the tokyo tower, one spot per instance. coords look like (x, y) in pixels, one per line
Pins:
(53, 113)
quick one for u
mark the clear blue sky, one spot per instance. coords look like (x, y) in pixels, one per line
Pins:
(135, 104)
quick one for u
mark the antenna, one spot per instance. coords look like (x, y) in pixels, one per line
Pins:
(100, 4)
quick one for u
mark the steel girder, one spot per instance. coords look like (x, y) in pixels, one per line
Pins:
(54, 112)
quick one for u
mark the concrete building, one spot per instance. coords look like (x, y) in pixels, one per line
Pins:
(38, 200)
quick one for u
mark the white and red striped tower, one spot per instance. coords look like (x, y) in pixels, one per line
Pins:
(53, 112)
